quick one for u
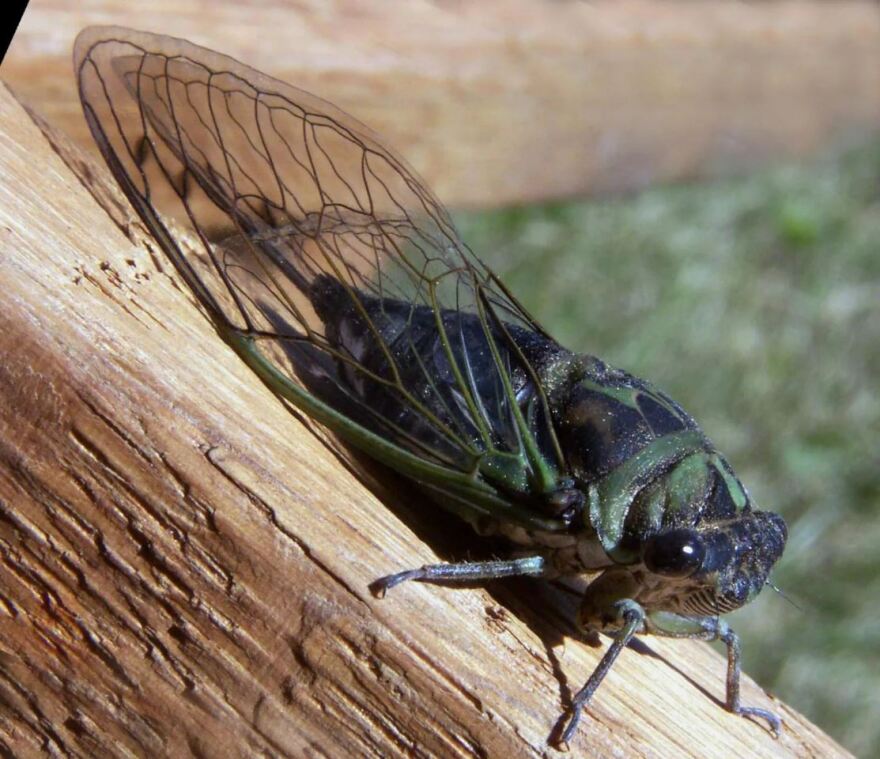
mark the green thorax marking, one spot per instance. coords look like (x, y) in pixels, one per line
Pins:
(611, 497)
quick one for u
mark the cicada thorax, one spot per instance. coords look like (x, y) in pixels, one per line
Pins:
(661, 500)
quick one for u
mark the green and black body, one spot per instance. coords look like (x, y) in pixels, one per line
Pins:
(337, 276)
(634, 465)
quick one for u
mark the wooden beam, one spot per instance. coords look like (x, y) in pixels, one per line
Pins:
(510, 101)
(184, 565)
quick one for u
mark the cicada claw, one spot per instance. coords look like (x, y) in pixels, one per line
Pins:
(381, 586)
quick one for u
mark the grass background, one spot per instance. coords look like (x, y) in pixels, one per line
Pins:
(755, 303)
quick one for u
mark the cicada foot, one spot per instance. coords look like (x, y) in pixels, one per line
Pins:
(381, 586)
(774, 721)
(464, 572)
(673, 625)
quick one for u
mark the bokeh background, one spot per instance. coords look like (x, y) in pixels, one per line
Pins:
(730, 252)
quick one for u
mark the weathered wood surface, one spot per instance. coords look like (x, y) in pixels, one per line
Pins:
(508, 101)
(184, 565)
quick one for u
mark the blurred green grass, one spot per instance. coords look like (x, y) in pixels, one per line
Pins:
(755, 303)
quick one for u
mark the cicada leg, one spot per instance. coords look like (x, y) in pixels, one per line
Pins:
(734, 668)
(673, 625)
(608, 606)
(463, 572)
(632, 617)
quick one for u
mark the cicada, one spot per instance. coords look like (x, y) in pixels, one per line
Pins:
(334, 272)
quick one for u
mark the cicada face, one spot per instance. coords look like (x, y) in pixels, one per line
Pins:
(712, 569)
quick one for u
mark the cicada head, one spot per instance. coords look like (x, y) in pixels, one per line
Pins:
(713, 568)
(692, 561)
(693, 542)
(697, 543)
(668, 510)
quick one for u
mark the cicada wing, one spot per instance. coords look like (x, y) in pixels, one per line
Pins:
(313, 239)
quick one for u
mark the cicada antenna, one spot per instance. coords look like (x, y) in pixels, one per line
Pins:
(771, 585)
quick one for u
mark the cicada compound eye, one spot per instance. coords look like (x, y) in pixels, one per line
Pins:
(677, 553)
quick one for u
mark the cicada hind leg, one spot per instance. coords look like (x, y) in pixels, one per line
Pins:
(533, 566)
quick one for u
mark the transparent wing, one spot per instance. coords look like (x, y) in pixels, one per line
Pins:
(314, 240)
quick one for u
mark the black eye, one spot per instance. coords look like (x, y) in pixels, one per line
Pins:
(677, 553)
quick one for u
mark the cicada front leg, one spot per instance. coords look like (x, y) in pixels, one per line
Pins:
(672, 625)
(631, 618)
(608, 606)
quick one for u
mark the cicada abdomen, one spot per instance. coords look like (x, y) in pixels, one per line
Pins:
(331, 269)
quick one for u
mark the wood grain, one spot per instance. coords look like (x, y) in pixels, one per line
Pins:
(511, 101)
(184, 564)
